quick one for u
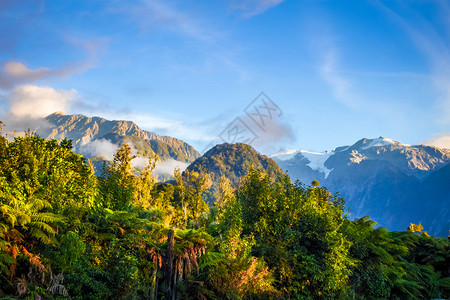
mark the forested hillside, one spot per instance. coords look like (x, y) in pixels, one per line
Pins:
(228, 164)
(65, 233)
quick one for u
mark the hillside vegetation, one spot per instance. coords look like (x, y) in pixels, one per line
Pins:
(231, 162)
(65, 233)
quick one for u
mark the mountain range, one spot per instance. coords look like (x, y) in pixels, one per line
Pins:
(83, 130)
(395, 184)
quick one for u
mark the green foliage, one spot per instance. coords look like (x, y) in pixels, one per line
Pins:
(378, 270)
(39, 181)
(122, 186)
(397, 265)
(297, 231)
(117, 181)
(188, 197)
(231, 161)
(66, 233)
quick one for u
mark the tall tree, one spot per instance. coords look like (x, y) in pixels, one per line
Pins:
(118, 181)
(189, 190)
(297, 231)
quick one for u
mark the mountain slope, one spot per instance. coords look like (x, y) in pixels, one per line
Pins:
(232, 161)
(84, 130)
(304, 165)
(434, 199)
(382, 178)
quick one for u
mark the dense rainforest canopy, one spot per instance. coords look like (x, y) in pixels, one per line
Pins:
(66, 233)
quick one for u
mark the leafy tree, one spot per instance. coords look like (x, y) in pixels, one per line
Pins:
(117, 181)
(379, 270)
(415, 228)
(427, 263)
(44, 188)
(297, 231)
(145, 185)
(189, 190)
(233, 273)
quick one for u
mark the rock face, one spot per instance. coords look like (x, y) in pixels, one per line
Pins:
(393, 183)
(83, 130)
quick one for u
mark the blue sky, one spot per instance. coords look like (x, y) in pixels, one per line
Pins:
(338, 70)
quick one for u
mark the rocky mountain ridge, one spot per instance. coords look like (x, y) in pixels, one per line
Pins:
(83, 130)
(382, 178)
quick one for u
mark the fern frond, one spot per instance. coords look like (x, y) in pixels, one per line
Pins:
(40, 235)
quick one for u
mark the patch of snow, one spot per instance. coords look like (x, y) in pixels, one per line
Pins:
(316, 159)
(379, 142)
(285, 155)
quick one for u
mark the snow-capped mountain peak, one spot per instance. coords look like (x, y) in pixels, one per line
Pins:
(392, 182)
(379, 142)
(316, 159)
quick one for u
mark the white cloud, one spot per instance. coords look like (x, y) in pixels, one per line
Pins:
(251, 8)
(167, 167)
(139, 162)
(27, 105)
(442, 141)
(99, 147)
(32, 101)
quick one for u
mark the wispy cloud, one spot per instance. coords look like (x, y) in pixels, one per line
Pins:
(251, 8)
(329, 70)
(14, 73)
(214, 45)
(442, 141)
(344, 87)
(433, 39)
(100, 147)
(167, 167)
(155, 14)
